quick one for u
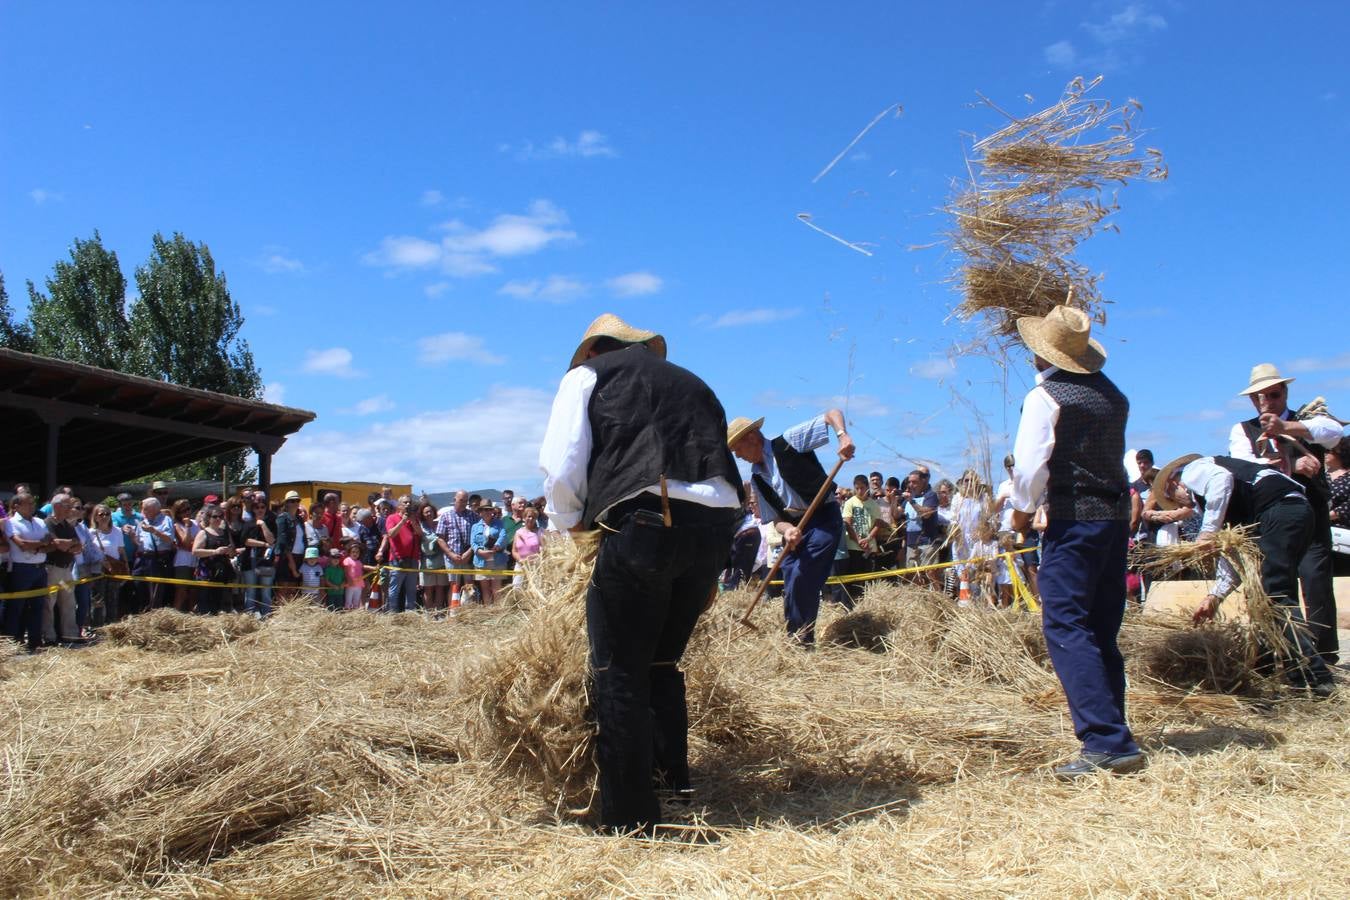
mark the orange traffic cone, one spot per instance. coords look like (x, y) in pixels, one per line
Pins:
(963, 595)
(375, 599)
(454, 599)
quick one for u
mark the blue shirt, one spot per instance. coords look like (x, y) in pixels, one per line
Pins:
(153, 541)
(119, 519)
(485, 537)
(920, 530)
(803, 438)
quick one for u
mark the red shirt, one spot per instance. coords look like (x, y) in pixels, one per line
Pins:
(406, 544)
(330, 519)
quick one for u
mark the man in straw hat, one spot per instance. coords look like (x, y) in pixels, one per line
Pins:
(1072, 439)
(786, 476)
(1230, 491)
(634, 447)
(1297, 447)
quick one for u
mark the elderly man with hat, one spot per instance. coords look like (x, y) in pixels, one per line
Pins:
(1229, 491)
(1071, 443)
(786, 475)
(1297, 446)
(635, 447)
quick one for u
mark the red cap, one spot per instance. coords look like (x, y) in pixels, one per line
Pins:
(210, 498)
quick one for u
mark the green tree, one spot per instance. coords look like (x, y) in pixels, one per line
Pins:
(13, 336)
(83, 316)
(185, 329)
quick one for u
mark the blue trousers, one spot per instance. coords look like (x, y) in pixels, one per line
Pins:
(23, 618)
(401, 593)
(806, 568)
(1082, 583)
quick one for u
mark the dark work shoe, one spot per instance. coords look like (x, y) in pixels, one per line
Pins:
(1090, 762)
(1323, 690)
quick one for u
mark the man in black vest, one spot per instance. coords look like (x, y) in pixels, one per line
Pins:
(1072, 439)
(1230, 491)
(786, 475)
(1297, 448)
(634, 446)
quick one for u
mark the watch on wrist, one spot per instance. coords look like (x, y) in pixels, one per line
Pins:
(839, 432)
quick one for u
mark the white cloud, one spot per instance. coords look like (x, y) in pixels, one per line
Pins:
(934, 368)
(588, 144)
(439, 349)
(275, 263)
(466, 251)
(369, 406)
(1320, 363)
(1133, 19)
(264, 309)
(736, 317)
(40, 196)
(555, 288)
(432, 198)
(435, 289)
(333, 361)
(862, 406)
(1061, 53)
(435, 450)
(634, 284)
(274, 392)
(404, 253)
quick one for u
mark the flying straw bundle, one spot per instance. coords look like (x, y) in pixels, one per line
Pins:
(1036, 191)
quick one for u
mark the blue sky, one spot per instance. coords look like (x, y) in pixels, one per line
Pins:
(420, 206)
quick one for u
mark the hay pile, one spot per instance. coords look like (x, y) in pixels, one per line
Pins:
(1036, 191)
(399, 756)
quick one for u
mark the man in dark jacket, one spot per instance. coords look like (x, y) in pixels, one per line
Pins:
(634, 447)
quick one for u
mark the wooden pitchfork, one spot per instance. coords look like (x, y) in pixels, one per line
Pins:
(806, 517)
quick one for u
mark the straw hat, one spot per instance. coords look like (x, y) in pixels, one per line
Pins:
(292, 496)
(1061, 339)
(1264, 375)
(740, 427)
(611, 326)
(1164, 475)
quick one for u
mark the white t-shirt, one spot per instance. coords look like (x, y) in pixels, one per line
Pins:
(183, 557)
(1003, 501)
(110, 543)
(33, 529)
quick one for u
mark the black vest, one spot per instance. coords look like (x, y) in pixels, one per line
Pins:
(1250, 497)
(1318, 488)
(651, 418)
(1087, 468)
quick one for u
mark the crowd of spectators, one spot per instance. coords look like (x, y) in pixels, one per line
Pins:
(393, 555)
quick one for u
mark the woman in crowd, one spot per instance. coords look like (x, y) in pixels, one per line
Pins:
(260, 571)
(526, 543)
(185, 531)
(88, 564)
(1336, 459)
(946, 516)
(214, 547)
(316, 532)
(488, 553)
(238, 529)
(435, 585)
(112, 549)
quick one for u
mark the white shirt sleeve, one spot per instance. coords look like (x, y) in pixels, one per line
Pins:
(566, 450)
(1032, 449)
(1239, 447)
(1323, 431)
(1213, 482)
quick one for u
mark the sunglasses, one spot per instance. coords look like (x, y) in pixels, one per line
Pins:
(215, 516)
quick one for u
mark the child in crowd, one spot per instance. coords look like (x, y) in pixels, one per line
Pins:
(334, 580)
(354, 576)
(984, 549)
(1007, 543)
(311, 576)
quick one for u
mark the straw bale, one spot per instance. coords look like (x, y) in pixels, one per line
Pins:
(167, 631)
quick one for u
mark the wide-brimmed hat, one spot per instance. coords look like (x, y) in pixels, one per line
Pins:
(1159, 494)
(740, 427)
(1264, 375)
(291, 495)
(487, 504)
(608, 325)
(1061, 338)
(158, 486)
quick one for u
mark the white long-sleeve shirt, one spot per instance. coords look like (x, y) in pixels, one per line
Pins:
(1034, 444)
(1322, 430)
(566, 453)
(1206, 478)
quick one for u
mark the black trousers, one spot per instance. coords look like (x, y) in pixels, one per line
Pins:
(1319, 595)
(648, 589)
(744, 549)
(1286, 531)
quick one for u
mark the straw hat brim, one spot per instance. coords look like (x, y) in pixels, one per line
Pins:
(1262, 384)
(1034, 335)
(739, 428)
(611, 326)
(1159, 494)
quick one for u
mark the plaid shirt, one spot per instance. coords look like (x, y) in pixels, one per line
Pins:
(455, 527)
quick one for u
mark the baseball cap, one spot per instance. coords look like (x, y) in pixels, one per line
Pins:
(311, 553)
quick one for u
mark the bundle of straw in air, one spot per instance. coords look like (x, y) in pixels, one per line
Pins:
(1035, 193)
